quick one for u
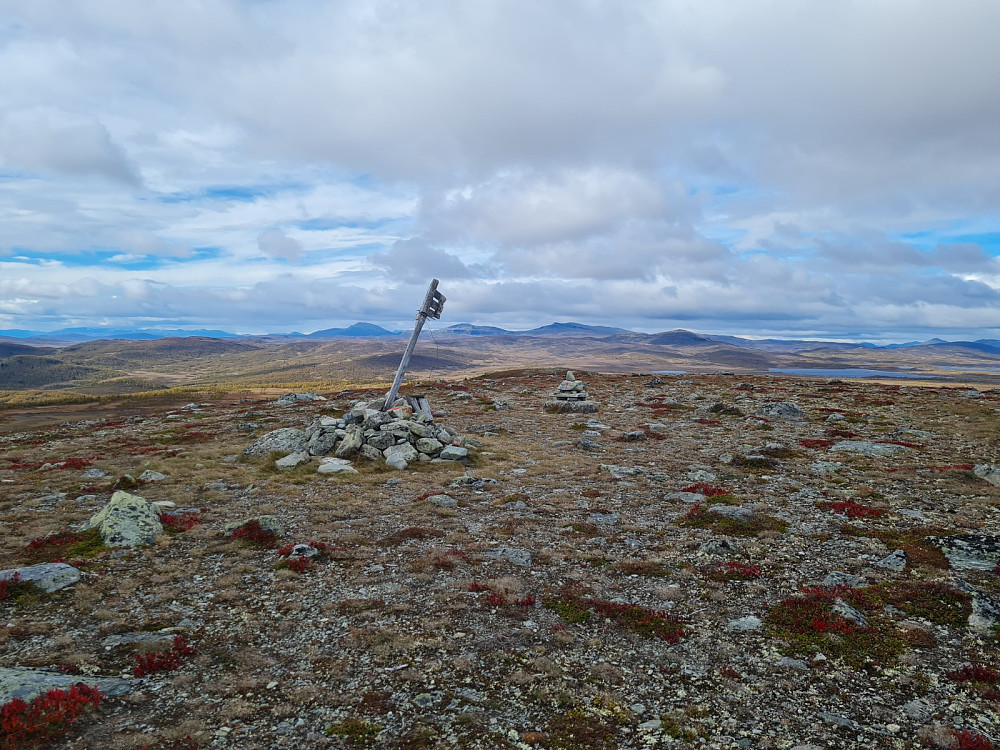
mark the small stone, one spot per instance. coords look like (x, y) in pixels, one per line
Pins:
(512, 555)
(48, 577)
(895, 562)
(453, 453)
(443, 501)
(837, 578)
(292, 460)
(744, 624)
(152, 476)
(790, 663)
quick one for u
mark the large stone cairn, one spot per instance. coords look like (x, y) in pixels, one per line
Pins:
(571, 397)
(398, 436)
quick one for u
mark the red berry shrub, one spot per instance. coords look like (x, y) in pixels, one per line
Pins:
(162, 661)
(23, 725)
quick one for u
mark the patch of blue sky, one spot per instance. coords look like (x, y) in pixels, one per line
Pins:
(329, 222)
(232, 193)
(959, 233)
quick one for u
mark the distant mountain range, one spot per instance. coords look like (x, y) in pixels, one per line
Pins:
(19, 341)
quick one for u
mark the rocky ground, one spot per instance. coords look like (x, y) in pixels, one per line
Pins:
(707, 561)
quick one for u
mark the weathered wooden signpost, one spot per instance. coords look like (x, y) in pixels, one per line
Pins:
(433, 304)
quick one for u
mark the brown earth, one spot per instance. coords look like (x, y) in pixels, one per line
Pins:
(411, 632)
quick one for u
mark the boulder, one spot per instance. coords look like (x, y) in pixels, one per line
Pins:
(781, 410)
(27, 684)
(399, 456)
(865, 448)
(127, 521)
(453, 453)
(292, 460)
(285, 440)
(322, 442)
(351, 443)
(48, 577)
(430, 446)
(336, 466)
(988, 472)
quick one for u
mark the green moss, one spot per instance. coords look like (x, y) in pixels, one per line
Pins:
(808, 624)
(720, 524)
(573, 611)
(576, 730)
(934, 601)
(358, 732)
(91, 545)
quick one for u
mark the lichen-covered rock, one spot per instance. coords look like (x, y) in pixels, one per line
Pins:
(27, 684)
(781, 410)
(152, 476)
(351, 443)
(48, 577)
(127, 521)
(865, 448)
(453, 453)
(399, 456)
(970, 551)
(322, 442)
(988, 472)
(292, 460)
(285, 440)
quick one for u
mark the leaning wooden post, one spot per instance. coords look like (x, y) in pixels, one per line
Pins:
(433, 303)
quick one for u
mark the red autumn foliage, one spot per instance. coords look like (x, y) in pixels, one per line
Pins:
(707, 490)
(162, 661)
(855, 510)
(180, 521)
(742, 571)
(300, 564)
(970, 740)
(815, 443)
(47, 716)
(252, 533)
(54, 540)
(975, 673)
(6, 584)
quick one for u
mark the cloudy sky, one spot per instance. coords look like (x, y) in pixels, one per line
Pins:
(771, 167)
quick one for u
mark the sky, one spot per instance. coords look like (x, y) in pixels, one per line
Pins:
(820, 169)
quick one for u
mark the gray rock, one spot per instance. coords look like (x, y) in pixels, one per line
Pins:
(399, 456)
(418, 429)
(848, 612)
(381, 440)
(718, 548)
(970, 551)
(370, 452)
(837, 720)
(985, 609)
(836, 417)
(443, 501)
(989, 472)
(736, 512)
(745, 624)
(895, 562)
(351, 443)
(303, 550)
(621, 472)
(790, 663)
(48, 577)
(838, 578)
(511, 554)
(501, 404)
(586, 444)
(126, 521)
(331, 465)
(292, 460)
(570, 407)
(865, 448)
(430, 446)
(152, 476)
(27, 684)
(603, 519)
(918, 710)
(822, 468)
(322, 442)
(285, 440)
(453, 453)
(781, 410)
(474, 483)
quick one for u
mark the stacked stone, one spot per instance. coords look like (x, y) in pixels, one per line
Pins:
(398, 436)
(571, 389)
(571, 397)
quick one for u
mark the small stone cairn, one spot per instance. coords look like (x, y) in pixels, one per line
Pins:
(398, 436)
(571, 398)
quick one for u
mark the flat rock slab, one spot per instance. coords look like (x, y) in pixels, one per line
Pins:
(511, 554)
(865, 448)
(127, 521)
(286, 440)
(27, 684)
(970, 551)
(570, 407)
(48, 577)
(988, 472)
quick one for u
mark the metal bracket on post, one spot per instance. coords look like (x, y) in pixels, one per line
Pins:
(433, 304)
